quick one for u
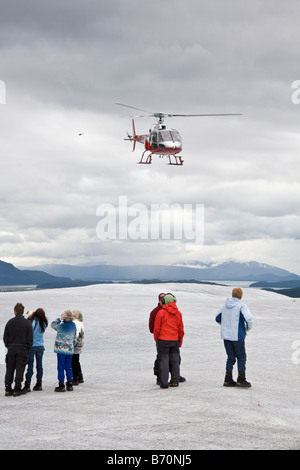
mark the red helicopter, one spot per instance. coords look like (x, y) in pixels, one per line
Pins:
(161, 140)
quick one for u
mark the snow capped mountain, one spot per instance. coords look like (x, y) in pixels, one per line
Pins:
(230, 270)
(233, 270)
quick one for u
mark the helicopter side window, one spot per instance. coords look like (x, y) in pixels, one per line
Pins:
(153, 139)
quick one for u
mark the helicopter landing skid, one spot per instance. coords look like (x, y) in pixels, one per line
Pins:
(178, 160)
(148, 159)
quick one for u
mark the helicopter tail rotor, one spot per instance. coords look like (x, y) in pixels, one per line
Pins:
(135, 138)
(134, 135)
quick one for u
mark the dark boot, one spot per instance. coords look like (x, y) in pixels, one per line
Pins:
(8, 391)
(60, 388)
(81, 381)
(26, 387)
(242, 382)
(228, 381)
(173, 384)
(69, 386)
(38, 386)
(18, 391)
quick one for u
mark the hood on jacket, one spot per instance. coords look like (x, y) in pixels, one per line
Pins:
(171, 308)
(231, 302)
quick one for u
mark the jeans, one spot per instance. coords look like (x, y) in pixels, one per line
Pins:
(64, 364)
(168, 357)
(37, 353)
(235, 350)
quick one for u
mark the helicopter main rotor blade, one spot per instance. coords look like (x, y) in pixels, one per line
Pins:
(132, 107)
(162, 115)
(149, 113)
(192, 115)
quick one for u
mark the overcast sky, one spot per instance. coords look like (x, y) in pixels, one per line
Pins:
(64, 64)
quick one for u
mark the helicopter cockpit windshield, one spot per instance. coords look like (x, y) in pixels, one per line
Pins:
(170, 135)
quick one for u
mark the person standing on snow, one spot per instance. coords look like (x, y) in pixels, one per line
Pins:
(17, 338)
(76, 366)
(152, 317)
(64, 347)
(39, 324)
(235, 319)
(168, 334)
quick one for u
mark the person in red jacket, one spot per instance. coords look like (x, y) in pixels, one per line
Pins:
(168, 334)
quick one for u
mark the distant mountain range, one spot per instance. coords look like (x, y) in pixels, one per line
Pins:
(12, 276)
(294, 293)
(62, 275)
(228, 271)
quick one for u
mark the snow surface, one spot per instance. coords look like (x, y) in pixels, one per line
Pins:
(120, 407)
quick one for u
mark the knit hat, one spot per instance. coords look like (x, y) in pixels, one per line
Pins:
(169, 298)
(161, 296)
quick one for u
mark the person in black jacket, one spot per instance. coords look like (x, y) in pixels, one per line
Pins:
(151, 328)
(18, 339)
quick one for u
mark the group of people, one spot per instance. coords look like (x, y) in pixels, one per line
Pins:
(24, 340)
(165, 322)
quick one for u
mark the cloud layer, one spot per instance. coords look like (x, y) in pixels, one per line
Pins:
(66, 63)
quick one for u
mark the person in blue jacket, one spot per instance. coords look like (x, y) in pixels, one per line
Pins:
(64, 347)
(235, 320)
(39, 324)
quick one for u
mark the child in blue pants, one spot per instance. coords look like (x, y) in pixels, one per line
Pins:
(64, 347)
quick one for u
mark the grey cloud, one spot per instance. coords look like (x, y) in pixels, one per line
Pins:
(66, 63)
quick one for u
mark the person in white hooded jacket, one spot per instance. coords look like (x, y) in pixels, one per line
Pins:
(76, 366)
(235, 319)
